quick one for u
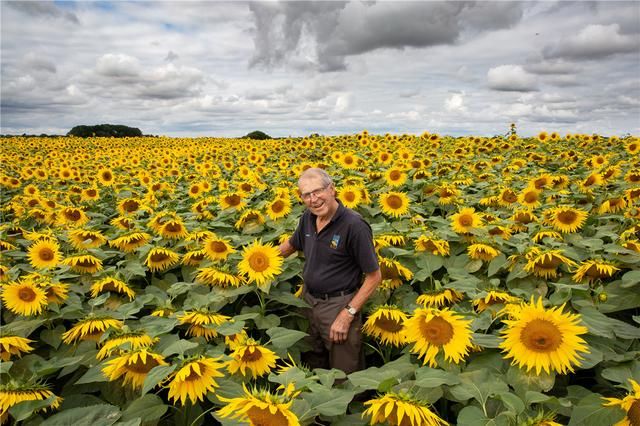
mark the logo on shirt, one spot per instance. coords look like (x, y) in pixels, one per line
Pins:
(335, 240)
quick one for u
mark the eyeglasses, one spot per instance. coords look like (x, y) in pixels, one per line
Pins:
(315, 193)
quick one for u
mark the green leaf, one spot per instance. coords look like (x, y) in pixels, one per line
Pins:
(428, 377)
(179, 347)
(228, 388)
(329, 402)
(284, 337)
(630, 279)
(156, 375)
(156, 326)
(473, 266)
(287, 298)
(99, 300)
(371, 377)
(53, 337)
(5, 366)
(270, 321)
(590, 412)
(229, 328)
(479, 385)
(621, 373)
(134, 422)
(496, 264)
(472, 416)
(512, 402)
(23, 410)
(486, 340)
(96, 415)
(93, 375)
(149, 408)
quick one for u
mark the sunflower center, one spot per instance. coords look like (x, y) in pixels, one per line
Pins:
(218, 246)
(437, 331)
(140, 367)
(550, 262)
(233, 200)
(159, 257)
(509, 196)
(173, 227)
(429, 246)
(590, 181)
(258, 262)
(395, 175)
(193, 376)
(567, 217)
(541, 335)
(73, 215)
(46, 254)
(349, 196)
(496, 231)
(251, 356)
(26, 294)
(540, 183)
(465, 220)
(264, 417)
(394, 202)
(277, 206)
(634, 413)
(195, 189)
(107, 176)
(130, 206)
(531, 197)
(388, 324)
(85, 263)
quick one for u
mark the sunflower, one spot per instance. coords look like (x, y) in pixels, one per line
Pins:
(395, 177)
(260, 263)
(135, 340)
(250, 219)
(544, 339)
(133, 366)
(194, 379)
(630, 404)
(466, 220)
(566, 219)
(83, 263)
(440, 298)
(447, 194)
(161, 259)
(521, 218)
(401, 409)
(438, 331)
(261, 407)
(24, 298)
(90, 194)
(542, 419)
(44, 254)
(235, 340)
(493, 297)
(12, 394)
(252, 358)
(194, 257)
(394, 204)
(200, 209)
(105, 176)
(83, 239)
(122, 222)
(279, 208)
(481, 251)
(545, 263)
(612, 205)
(218, 249)
(130, 242)
(500, 231)
(386, 324)
(507, 197)
(112, 285)
(350, 195)
(393, 271)
(530, 198)
(594, 269)
(13, 346)
(201, 321)
(432, 245)
(72, 216)
(218, 278)
(90, 328)
(231, 200)
(173, 229)
(129, 206)
(546, 233)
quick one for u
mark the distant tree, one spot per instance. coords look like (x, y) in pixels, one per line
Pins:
(105, 130)
(258, 135)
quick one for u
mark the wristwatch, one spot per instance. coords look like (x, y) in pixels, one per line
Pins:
(352, 311)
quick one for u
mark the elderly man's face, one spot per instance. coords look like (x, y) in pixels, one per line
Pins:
(318, 196)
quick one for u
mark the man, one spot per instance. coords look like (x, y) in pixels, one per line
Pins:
(338, 249)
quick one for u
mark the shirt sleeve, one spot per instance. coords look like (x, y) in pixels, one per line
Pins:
(297, 239)
(361, 247)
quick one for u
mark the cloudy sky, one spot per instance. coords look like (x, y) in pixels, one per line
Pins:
(295, 68)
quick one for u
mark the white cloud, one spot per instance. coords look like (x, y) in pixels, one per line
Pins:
(455, 103)
(511, 78)
(594, 42)
(117, 65)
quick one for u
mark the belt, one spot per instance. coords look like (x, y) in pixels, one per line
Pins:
(326, 296)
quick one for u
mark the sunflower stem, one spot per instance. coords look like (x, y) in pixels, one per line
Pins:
(194, 422)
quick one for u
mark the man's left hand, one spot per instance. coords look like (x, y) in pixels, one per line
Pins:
(340, 327)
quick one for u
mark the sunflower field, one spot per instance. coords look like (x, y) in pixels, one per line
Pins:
(141, 283)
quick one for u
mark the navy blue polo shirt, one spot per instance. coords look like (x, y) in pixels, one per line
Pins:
(335, 258)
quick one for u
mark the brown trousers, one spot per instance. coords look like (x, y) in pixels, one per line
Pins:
(347, 356)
